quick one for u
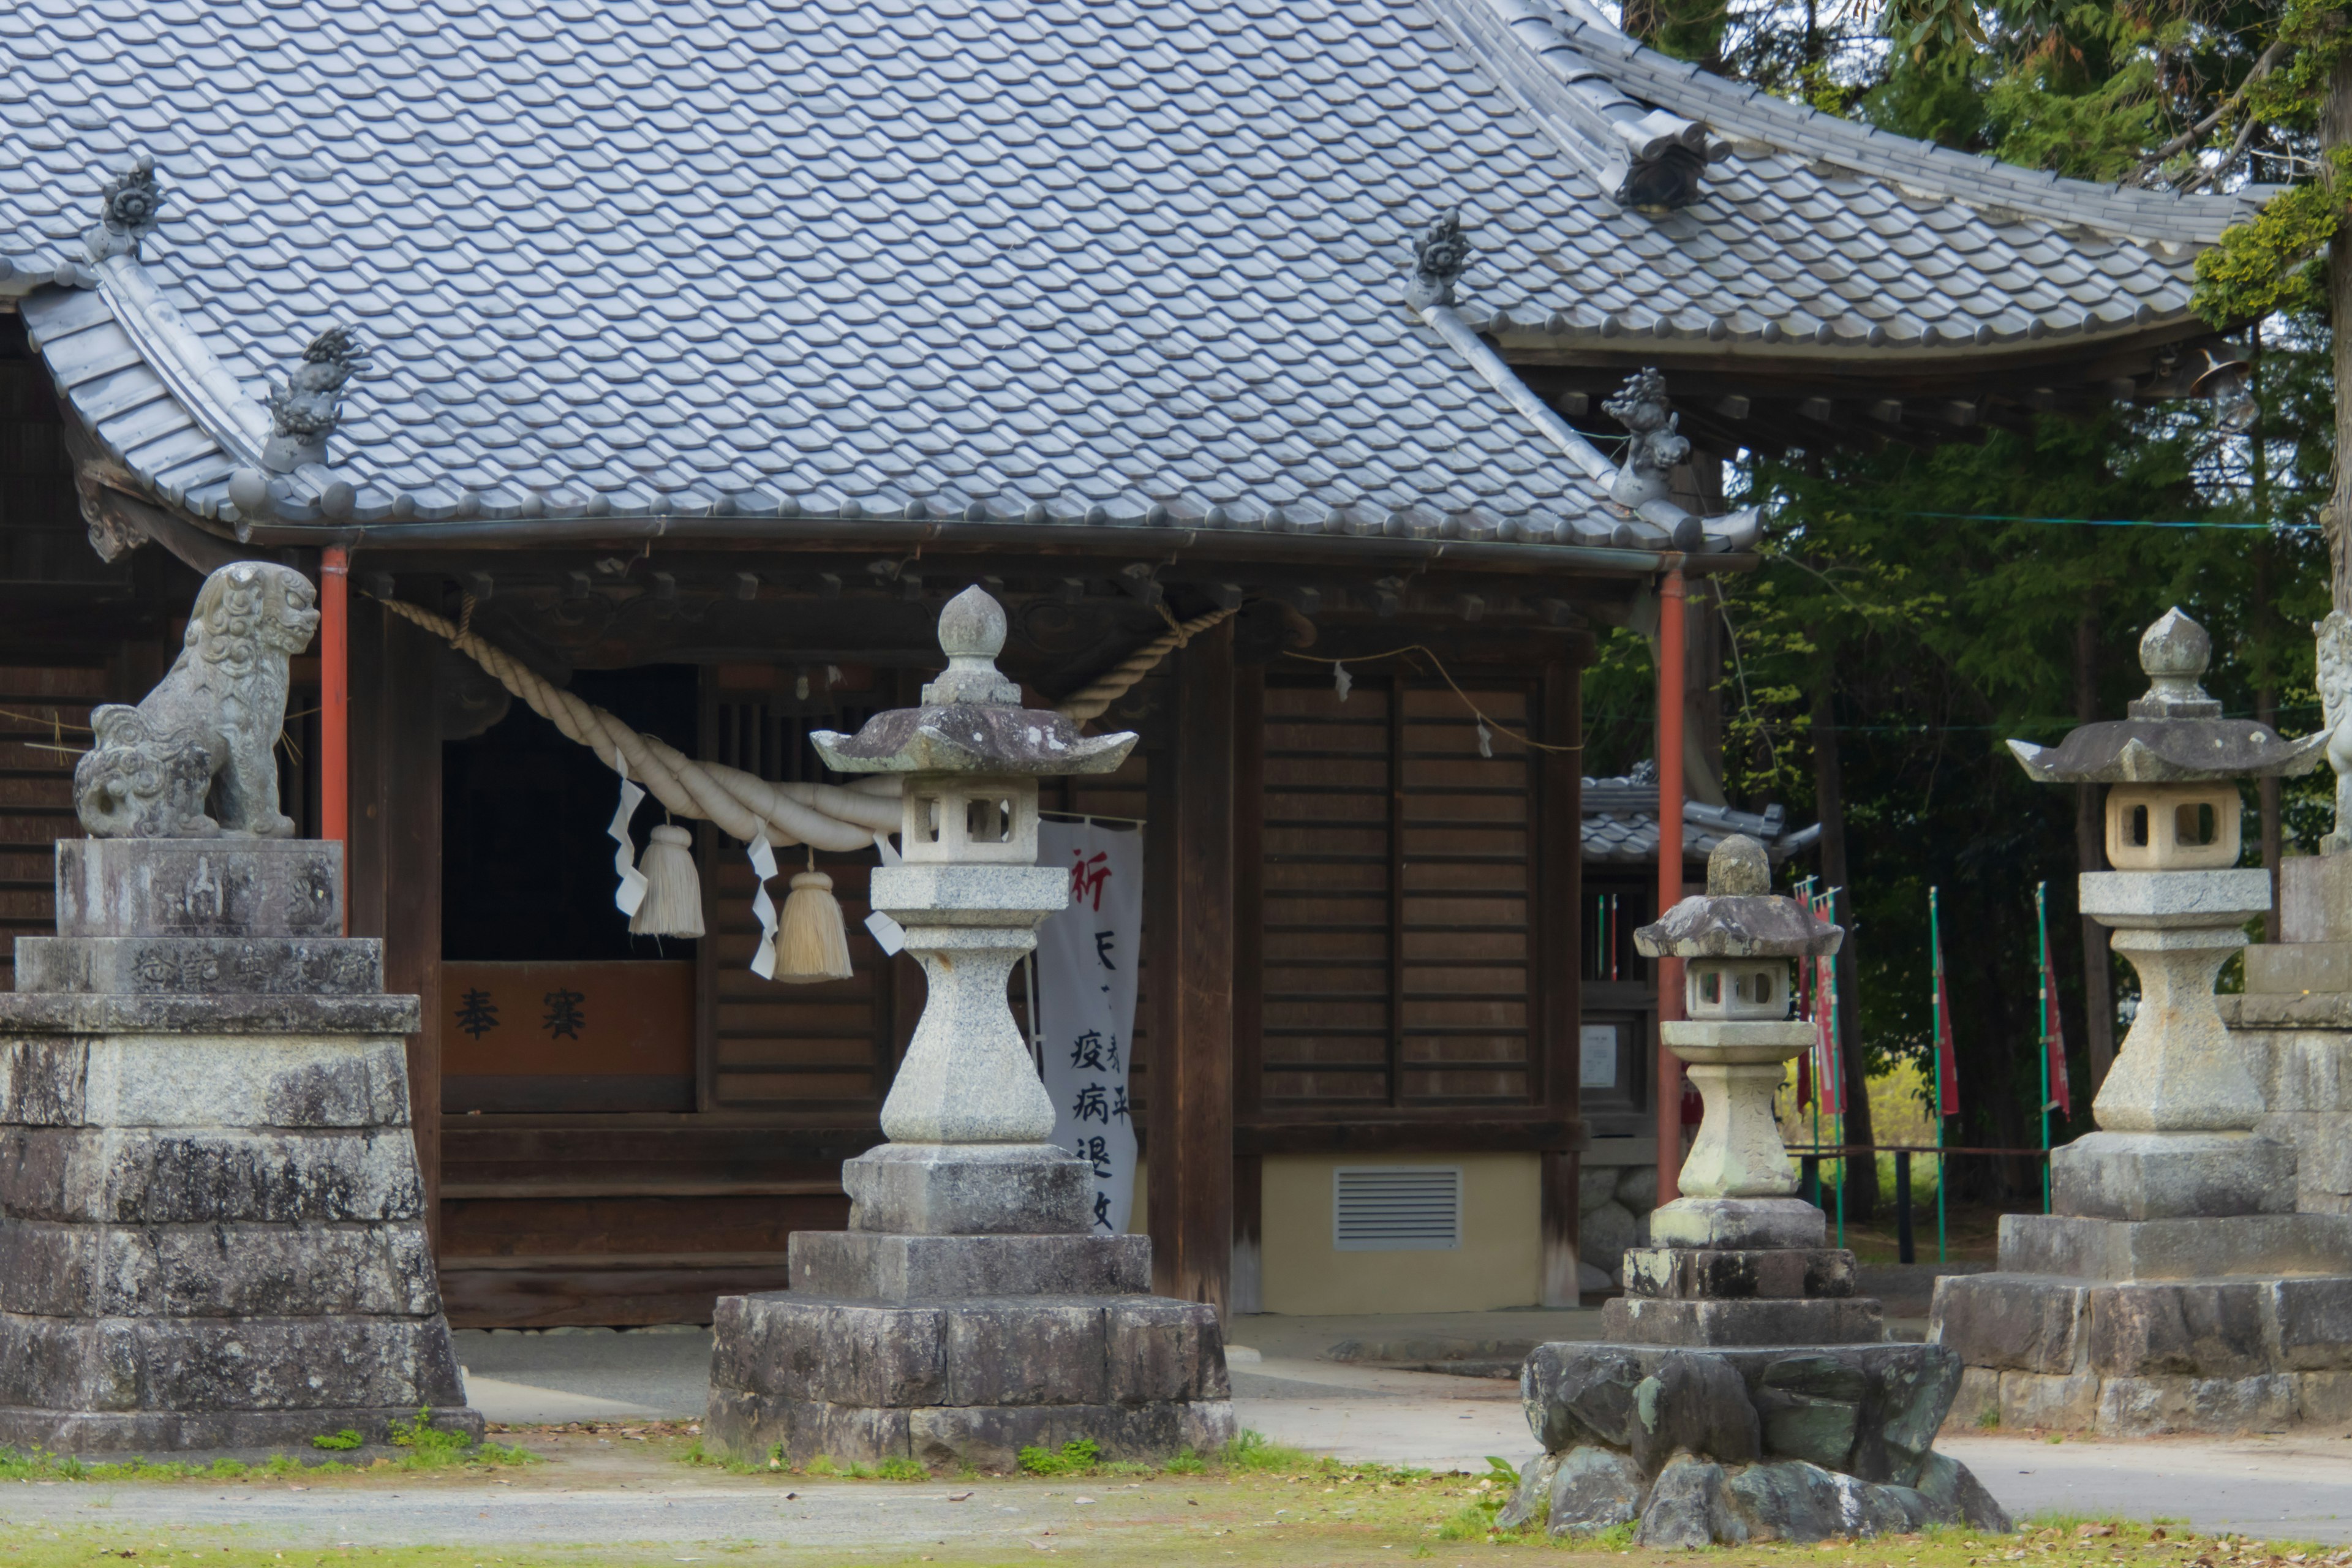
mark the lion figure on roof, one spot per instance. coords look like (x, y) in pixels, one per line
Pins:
(197, 759)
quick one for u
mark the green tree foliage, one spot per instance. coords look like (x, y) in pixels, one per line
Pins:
(1908, 586)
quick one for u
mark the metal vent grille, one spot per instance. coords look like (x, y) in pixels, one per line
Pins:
(1396, 1209)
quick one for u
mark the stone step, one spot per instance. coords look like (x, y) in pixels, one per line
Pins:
(201, 966)
(2256, 1244)
(875, 1266)
(2293, 968)
(1641, 1320)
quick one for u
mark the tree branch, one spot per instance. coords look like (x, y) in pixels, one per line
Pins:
(2263, 67)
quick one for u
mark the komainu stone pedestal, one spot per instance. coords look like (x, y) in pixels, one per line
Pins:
(212, 1221)
(955, 1349)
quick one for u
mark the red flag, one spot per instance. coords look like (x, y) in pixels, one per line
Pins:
(1948, 1080)
(2055, 1042)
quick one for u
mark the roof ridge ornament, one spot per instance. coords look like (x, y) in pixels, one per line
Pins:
(1439, 256)
(1657, 447)
(130, 206)
(303, 413)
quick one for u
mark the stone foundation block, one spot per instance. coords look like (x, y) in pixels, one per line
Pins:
(989, 1437)
(2035, 1401)
(872, 1264)
(248, 1433)
(199, 887)
(2298, 968)
(143, 1176)
(1643, 1321)
(1977, 1405)
(2145, 1406)
(2210, 1329)
(216, 1271)
(2243, 1244)
(931, 1189)
(1690, 1274)
(202, 966)
(202, 1080)
(200, 1365)
(2324, 1398)
(2175, 1176)
(2313, 1322)
(2009, 1321)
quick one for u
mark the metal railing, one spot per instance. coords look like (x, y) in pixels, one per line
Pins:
(1907, 1250)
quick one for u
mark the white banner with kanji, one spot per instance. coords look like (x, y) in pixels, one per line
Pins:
(1086, 1004)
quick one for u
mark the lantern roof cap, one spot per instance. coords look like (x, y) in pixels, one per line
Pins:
(2174, 735)
(1739, 916)
(971, 719)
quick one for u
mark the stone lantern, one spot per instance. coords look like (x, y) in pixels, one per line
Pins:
(969, 1311)
(1737, 1038)
(2176, 1213)
(1741, 1390)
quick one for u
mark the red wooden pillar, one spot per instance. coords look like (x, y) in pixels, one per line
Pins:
(335, 706)
(1669, 1108)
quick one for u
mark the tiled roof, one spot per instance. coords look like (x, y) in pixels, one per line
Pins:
(1620, 823)
(1115, 262)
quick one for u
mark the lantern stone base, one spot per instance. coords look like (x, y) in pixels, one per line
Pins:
(1723, 1446)
(212, 1220)
(2195, 1320)
(2139, 1357)
(966, 1380)
(961, 1349)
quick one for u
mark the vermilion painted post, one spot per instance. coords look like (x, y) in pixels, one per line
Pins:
(1670, 874)
(335, 705)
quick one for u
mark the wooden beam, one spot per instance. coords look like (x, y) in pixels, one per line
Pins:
(1559, 937)
(1449, 1134)
(1248, 1294)
(1190, 1207)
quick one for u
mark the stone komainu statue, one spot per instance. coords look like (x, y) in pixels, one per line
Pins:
(197, 759)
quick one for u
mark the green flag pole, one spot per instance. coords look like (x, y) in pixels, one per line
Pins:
(1936, 951)
(2041, 930)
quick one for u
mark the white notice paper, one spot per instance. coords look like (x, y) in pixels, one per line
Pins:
(1597, 1056)
(1086, 1004)
(763, 907)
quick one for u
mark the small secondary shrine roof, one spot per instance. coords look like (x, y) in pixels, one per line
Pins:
(1120, 263)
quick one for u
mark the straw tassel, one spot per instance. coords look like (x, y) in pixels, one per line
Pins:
(814, 943)
(672, 905)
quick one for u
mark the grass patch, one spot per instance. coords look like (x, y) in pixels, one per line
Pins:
(1076, 1458)
(426, 1448)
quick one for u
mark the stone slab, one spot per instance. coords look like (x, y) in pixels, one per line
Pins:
(1634, 1320)
(67, 1013)
(2244, 1244)
(870, 1265)
(1734, 1224)
(250, 1435)
(199, 887)
(2030, 1322)
(2298, 968)
(966, 1189)
(2314, 898)
(222, 1365)
(204, 1080)
(1119, 1350)
(1684, 1273)
(2172, 1175)
(209, 1175)
(215, 1270)
(2321, 1009)
(2162, 900)
(201, 966)
(945, 1437)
